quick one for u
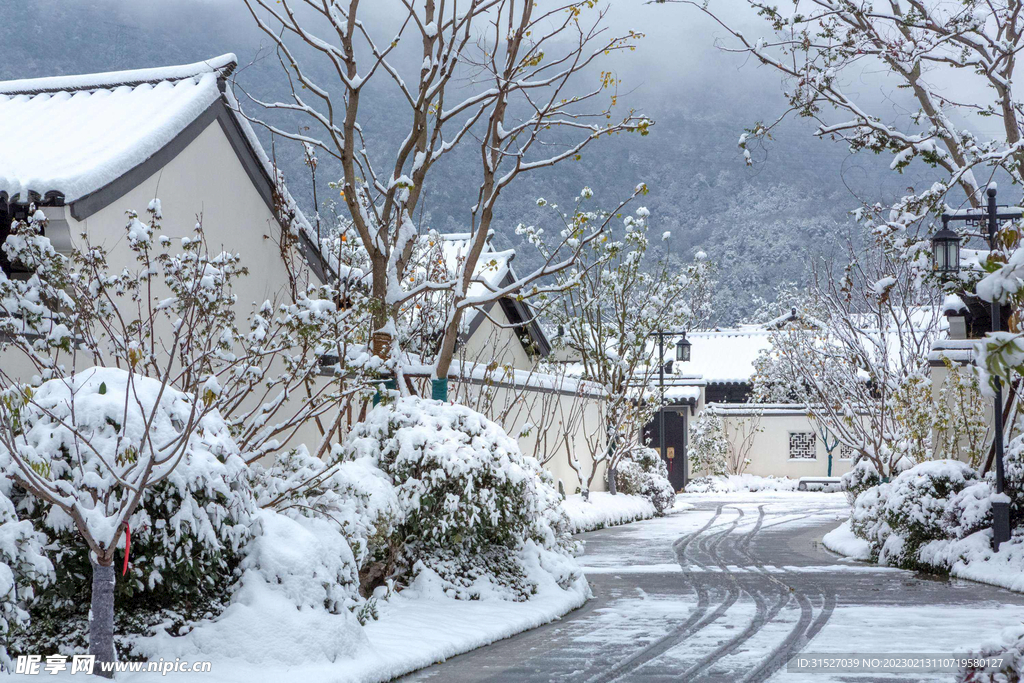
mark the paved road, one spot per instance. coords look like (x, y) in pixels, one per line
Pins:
(730, 591)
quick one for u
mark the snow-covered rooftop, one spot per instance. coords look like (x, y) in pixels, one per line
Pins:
(729, 355)
(722, 355)
(75, 134)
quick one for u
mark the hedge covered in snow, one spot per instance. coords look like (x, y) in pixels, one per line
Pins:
(602, 510)
(469, 505)
(733, 483)
(936, 517)
(643, 473)
(226, 557)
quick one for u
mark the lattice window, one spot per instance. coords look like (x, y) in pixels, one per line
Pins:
(845, 452)
(802, 446)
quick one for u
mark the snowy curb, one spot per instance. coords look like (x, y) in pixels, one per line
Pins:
(841, 540)
(970, 558)
(604, 510)
(416, 629)
(422, 632)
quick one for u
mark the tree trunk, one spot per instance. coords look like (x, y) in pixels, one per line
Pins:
(101, 616)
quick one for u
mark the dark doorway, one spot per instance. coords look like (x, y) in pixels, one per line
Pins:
(675, 444)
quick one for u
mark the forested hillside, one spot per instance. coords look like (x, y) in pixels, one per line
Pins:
(762, 224)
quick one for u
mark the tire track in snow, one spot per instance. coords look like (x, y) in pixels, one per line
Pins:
(806, 628)
(697, 620)
(762, 614)
(703, 549)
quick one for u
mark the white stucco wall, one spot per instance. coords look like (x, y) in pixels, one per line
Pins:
(564, 425)
(769, 451)
(205, 180)
(493, 341)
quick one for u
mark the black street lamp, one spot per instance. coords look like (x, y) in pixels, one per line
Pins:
(946, 255)
(683, 350)
(682, 355)
(946, 249)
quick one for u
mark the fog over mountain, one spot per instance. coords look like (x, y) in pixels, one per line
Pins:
(762, 224)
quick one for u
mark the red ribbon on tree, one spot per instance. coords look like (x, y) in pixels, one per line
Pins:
(127, 546)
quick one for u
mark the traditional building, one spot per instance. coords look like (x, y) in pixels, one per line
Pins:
(778, 439)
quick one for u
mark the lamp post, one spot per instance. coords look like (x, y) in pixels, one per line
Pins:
(946, 260)
(682, 355)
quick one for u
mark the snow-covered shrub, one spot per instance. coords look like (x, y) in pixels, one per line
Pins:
(187, 534)
(322, 575)
(860, 478)
(355, 496)
(642, 472)
(732, 483)
(867, 520)
(288, 608)
(470, 503)
(709, 447)
(923, 504)
(1013, 470)
(1010, 647)
(969, 510)
(24, 568)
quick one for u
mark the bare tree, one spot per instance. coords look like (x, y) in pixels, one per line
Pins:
(822, 46)
(873, 326)
(501, 74)
(608, 319)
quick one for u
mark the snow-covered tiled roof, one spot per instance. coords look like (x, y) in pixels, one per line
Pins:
(729, 355)
(491, 268)
(75, 134)
(723, 355)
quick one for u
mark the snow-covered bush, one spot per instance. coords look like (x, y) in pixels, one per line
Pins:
(915, 508)
(470, 504)
(862, 476)
(732, 483)
(935, 500)
(24, 568)
(324, 575)
(867, 520)
(1010, 647)
(86, 438)
(642, 472)
(1013, 470)
(289, 606)
(355, 496)
(969, 510)
(709, 447)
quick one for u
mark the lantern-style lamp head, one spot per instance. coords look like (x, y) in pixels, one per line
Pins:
(946, 250)
(683, 350)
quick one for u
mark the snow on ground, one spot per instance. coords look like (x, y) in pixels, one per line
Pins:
(639, 625)
(889, 630)
(841, 540)
(972, 558)
(735, 483)
(604, 509)
(264, 639)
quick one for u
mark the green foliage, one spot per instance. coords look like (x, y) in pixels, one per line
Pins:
(469, 503)
(709, 447)
(642, 472)
(187, 542)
